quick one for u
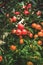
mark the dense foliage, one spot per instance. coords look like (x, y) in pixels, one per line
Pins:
(21, 33)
